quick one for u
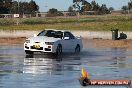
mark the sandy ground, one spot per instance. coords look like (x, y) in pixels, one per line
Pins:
(86, 42)
(102, 43)
(18, 40)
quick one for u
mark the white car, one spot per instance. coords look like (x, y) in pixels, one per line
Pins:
(53, 41)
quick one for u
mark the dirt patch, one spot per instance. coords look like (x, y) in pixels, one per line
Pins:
(86, 42)
(17, 40)
(127, 43)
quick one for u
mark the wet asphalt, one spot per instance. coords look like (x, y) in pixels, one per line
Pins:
(18, 70)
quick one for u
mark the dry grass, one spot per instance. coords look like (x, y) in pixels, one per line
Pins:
(96, 23)
(113, 43)
(19, 40)
(102, 43)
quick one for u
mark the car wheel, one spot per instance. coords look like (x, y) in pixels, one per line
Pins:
(59, 50)
(28, 52)
(77, 49)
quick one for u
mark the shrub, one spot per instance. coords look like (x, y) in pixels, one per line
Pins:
(6, 21)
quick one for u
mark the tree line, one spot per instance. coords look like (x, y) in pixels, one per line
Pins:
(15, 7)
(80, 6)
(83, 5)
(127, 8)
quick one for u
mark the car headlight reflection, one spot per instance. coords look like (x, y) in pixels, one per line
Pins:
(27, 41)
(49, 43)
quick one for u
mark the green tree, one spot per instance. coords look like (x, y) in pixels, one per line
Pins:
(70, 9)
(86, 6)
(104, 9)
(94, 6)
(130, 5)
(52, 12)
(5, 6)
(124, 8)
(25, 7)
(111, 9)
(33, 7)
(77, 4)
(14, 8)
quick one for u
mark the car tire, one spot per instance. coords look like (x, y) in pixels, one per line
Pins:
(28, 52)
(77, 49)
(59, 50)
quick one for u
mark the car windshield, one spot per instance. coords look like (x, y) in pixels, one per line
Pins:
(51, 33)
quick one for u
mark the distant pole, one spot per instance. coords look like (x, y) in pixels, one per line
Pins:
(18, 5)
(46, 4)
(18, 12)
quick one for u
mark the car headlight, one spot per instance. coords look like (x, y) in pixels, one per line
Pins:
(49, 43)
(27, 41)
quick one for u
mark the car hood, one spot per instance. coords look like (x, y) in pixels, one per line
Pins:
(43, 39)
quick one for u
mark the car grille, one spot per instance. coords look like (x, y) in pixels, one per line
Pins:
(47, 49)
(41, 48)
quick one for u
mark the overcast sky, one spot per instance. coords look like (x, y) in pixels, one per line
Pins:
(64, 4)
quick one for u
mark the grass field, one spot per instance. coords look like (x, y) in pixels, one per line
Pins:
(95, 23)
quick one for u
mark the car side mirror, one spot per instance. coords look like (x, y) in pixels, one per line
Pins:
(35, 35)
(66, 38)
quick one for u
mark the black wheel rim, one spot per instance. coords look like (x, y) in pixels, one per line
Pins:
(77, 50)
(59, 50)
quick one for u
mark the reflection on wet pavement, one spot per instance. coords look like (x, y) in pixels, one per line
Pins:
(48, 71)
(40, 64)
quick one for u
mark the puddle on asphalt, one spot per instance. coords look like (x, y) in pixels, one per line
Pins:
(48, 71)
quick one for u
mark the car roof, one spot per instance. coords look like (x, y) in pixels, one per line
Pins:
(58, 30)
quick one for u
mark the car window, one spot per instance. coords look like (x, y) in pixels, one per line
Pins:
(42, 33)
(51, 33)
(71, 35)
(58, 34)
(68, 34)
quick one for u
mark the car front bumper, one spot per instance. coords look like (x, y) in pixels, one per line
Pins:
(39, 47)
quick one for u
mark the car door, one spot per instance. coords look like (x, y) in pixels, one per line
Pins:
(73, 42)
(68, 44)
